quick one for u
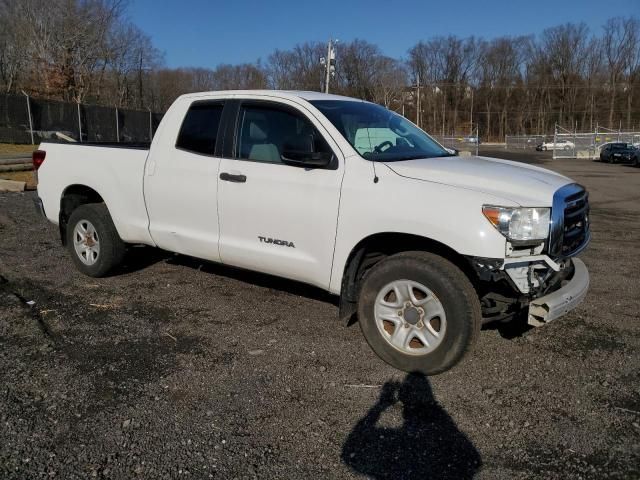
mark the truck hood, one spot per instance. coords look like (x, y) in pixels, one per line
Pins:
(524, 184)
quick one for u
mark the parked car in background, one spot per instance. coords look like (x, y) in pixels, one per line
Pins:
(635, 158)
(557, 145)
(618, 152)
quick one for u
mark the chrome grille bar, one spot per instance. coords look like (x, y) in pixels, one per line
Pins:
(569, 233)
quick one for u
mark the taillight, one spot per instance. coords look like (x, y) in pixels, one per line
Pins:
(38, 158)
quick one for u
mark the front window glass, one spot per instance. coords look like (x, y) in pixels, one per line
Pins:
(266, 133)
(377, 133)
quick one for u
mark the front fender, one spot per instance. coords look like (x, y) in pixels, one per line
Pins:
(451, 216)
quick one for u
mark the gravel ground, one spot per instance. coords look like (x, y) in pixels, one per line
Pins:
(175, 368)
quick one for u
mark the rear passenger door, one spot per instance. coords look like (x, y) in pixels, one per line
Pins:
(181, 184)
(274, 217)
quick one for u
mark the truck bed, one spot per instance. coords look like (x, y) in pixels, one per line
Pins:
(115, 171)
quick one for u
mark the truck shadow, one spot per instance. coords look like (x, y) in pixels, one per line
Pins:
(255, 278)
(427, 445)
(140, 257)
(514, 328)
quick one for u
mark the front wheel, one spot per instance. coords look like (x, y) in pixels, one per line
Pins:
(93, 241)
(419, 312)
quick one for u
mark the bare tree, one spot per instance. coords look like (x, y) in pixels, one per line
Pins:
(12, 47)
(562, 53)
(620, 45)
(298, 68)
(389, 82)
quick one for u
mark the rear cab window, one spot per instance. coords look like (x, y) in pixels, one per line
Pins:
(200, 130)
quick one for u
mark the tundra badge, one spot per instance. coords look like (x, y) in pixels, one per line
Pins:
(275, 241)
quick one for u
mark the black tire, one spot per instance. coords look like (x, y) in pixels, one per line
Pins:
(451, 287)
(112, 248)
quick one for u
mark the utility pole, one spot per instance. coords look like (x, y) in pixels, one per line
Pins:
(30, 117)
(418, 102)
(329, 63)
(443, 113)
(79, 124)
(471, 115)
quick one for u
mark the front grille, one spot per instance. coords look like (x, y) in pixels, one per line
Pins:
(569, 221)
(576, 223)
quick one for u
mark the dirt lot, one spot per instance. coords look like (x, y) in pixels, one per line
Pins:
(181, 369)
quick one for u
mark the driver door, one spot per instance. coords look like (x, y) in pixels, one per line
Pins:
(277, 218)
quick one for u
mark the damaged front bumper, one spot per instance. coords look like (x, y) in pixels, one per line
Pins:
(555, 304)
(537, 286)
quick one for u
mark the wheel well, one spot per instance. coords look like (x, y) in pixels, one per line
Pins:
(374, 248)
(72, 197)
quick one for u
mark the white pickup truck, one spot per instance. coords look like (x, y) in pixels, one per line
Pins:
(339, 193)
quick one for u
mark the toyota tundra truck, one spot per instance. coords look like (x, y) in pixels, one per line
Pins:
(421, 246)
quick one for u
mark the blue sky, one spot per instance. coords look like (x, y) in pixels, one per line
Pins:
(205, 33)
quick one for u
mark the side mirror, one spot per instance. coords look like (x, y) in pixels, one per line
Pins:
(306, 159)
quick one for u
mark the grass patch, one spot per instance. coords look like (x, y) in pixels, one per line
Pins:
(10, 148)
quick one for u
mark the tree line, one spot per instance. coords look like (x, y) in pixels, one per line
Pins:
(87, 51)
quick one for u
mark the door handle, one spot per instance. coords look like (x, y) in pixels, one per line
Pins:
(230, 177)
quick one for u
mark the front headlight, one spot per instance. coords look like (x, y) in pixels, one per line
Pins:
(519, 224)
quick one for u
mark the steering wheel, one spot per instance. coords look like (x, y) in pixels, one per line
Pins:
(378, 148)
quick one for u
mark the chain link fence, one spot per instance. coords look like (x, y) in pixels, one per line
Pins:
(25, 119)
(464, 143)
(525, 142)
(567, 144)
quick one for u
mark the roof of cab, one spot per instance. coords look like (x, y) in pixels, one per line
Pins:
(306, 95)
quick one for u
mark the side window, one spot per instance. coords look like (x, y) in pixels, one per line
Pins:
(199, 130)
(266, 133)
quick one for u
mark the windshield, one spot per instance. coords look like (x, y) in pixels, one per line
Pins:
(621, 146)
(377, 133)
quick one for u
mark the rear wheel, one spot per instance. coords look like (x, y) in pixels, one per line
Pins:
(419, 312)
(93, 241)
